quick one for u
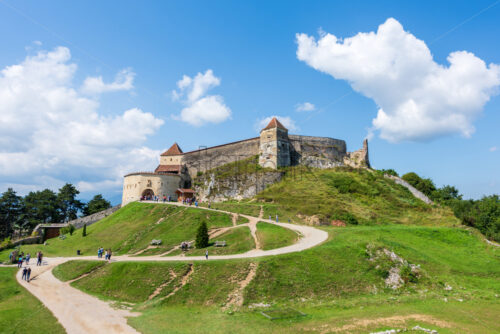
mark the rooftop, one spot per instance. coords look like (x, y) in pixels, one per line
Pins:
(173, 150)
(274, 123)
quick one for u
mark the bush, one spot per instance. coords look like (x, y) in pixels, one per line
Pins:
(389, 172)
(202, 236)
(84, 233)
(426, 186)
(67, 230)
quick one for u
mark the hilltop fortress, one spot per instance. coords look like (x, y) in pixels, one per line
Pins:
(275, 148)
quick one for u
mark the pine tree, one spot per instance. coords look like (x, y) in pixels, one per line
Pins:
(84, 233)
(202, 236)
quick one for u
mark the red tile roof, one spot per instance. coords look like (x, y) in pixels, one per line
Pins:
(168, 168)
(173, 150)
(182, 190)
(274, 124)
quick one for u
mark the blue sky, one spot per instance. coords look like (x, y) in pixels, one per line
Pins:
(120, 61)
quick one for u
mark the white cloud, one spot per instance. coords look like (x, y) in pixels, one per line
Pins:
(201, 108)
(124, 80)
(285, 120)
(306, 106)
(49, 131)
(493, 148)
(418, 99)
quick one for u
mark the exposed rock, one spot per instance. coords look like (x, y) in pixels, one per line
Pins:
(235, 187)
(394, 280)
(338, 223)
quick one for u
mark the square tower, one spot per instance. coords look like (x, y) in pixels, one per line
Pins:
(274, 148)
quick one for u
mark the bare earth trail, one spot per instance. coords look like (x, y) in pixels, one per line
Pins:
(79, 312)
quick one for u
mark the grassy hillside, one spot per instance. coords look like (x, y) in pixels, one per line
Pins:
(333, 283)
(131, 229)
(352, 195)
(274, 236)
(20, 312)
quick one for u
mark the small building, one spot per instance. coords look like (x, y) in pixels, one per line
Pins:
(184, 194)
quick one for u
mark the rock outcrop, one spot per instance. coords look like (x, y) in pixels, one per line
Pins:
(210, 188)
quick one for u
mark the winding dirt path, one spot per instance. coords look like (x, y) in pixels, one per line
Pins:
(79, 312)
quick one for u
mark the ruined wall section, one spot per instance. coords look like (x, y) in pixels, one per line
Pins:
(359, 158)
(319, 152)
(212, 157)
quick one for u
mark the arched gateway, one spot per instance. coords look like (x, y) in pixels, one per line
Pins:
(148, 193)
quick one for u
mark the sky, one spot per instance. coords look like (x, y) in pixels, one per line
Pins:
(93, 90)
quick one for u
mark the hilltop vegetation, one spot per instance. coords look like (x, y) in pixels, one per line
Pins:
(355, 196)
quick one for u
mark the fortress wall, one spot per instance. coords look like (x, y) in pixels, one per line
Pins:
(212, 157)
(303, 147)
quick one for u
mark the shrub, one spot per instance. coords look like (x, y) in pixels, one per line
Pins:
(84, 233)
(202, 236)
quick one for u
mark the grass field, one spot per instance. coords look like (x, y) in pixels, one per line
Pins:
(20, 312)
(335, 284)
(273, 236)
(131, 229)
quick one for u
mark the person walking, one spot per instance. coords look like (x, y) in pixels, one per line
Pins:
(10, 257)
(106, 255)
(28, 257)
(39, 258)
(276, 218)
(206, 254)
(109, 255)
(20, 262)
(25, 271)
(28, 274)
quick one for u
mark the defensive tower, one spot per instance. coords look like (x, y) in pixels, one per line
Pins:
(274, 148)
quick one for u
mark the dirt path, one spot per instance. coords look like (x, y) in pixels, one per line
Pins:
(236, 297)
(78, 312)
(82, 313)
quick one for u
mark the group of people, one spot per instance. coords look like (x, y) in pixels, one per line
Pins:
(190, 201)
(26, 274)
(25, 258)
(107, 253)
(156, 198)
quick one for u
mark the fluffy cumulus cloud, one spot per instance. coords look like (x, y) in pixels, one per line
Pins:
(418, 98)
(201, 108)
(51, 133)
(285, 120)
(306, 106)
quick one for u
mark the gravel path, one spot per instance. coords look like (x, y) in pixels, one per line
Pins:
(79, 312)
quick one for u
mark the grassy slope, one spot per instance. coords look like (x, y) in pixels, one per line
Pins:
(273, 236)
(131, 229)
(20, 312)
(333, 283)
(74, 269)
(238, 240)
(330, 194)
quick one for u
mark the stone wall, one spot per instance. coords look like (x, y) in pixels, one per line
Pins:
(359, 158)
(320, 152)
(418, 194)
(94, 218)
(212, 157)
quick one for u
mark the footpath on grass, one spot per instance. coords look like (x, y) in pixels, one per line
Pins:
(79, 312)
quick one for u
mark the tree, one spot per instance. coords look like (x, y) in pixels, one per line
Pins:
(84, 233)
(41, 207)
(11, 212)
(446, 194)
(426, 186)
(202, 236)
(67, 202)
(389, 172)
(96, 204)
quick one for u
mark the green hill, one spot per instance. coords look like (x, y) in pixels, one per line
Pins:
(131, 229)
(354, 196)
(332, 283)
